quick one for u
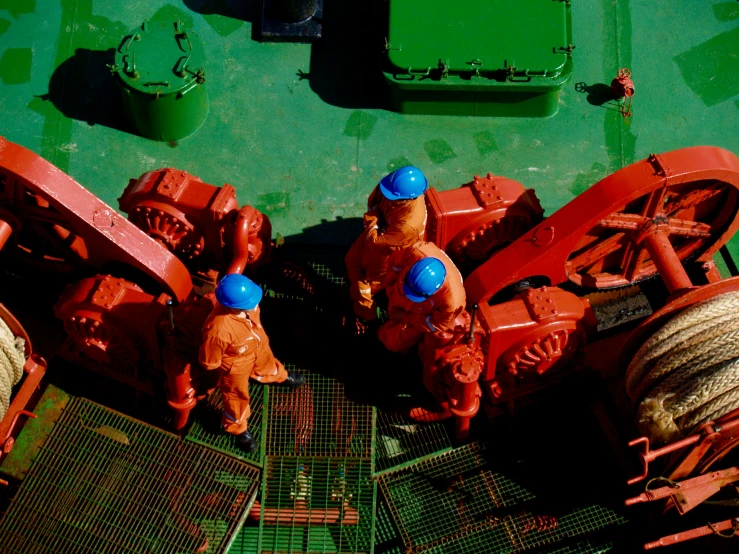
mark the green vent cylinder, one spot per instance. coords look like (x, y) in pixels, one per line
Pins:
(160, 69)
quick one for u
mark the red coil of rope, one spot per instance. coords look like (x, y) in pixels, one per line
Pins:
(623, 87)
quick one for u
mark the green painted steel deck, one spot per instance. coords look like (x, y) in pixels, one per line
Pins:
(303, 131)
(484, 58)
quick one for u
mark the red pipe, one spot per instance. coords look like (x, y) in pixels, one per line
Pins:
(5, 231)
(242, 224)
(668, 264)
(706, 530)
(301, 514)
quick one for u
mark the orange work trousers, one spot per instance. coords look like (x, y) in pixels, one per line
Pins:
(235, 388)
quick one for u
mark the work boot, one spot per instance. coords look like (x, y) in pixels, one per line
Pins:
(246, 442)
(293, 381)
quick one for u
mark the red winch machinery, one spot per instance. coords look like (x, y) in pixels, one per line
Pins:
(136, 312)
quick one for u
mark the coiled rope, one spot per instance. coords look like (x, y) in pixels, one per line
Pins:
(12, 359)
(687, 373)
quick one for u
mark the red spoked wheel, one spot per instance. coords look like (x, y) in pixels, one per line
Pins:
(43, 237)
(654, 233)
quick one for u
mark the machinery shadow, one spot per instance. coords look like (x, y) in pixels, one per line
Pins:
(346, 64)
(308, 316)
(598, 94)
(82, 88)
(245, 11)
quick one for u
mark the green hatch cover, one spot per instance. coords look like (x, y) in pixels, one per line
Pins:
(160, 58)
(478, 35)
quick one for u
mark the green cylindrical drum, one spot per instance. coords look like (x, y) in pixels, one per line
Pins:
(160, 68)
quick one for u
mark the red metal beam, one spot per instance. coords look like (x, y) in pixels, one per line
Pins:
(107, 236)
(544, 250)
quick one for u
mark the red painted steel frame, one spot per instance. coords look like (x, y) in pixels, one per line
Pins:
(107, 236)
(545, 249)
(686, 495)
(719, 528)
(34, 369)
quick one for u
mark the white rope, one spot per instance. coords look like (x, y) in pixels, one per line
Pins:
(687, 373)
(12, 359)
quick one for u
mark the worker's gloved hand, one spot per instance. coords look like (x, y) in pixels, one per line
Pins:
(371, 219)
(400, 316)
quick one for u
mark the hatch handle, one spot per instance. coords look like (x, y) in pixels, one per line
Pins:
(180, 36)
(419, 72)
(476, 64)
(129, 66)
(126, 42)
(180, 68)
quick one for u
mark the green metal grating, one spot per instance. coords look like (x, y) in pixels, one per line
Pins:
(317, 420)
(387, 540)
(400, 440)
(317, 505)
(103, 482)
(585, 547)
(206, 425)
(247, 540)
(453, 503)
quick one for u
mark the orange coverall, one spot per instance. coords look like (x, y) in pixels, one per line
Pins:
(408, 320)
(239, 349)
(389, 226)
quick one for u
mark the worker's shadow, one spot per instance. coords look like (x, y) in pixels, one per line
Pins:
(83, 88)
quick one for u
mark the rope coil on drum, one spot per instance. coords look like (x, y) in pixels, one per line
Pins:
(687, 373)
(12, 359)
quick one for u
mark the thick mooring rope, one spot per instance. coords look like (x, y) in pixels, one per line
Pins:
(12, 359)
(687, 373)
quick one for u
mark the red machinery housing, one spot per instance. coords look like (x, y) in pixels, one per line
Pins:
(200, 223)
(642, 220)
(114, 326)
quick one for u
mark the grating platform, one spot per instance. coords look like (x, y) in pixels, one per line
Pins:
(453, 503)
(401, 440)
(317, 505)
(206, 425)
(103, 482)
(317, 420)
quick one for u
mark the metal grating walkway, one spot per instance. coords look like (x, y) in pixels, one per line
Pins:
(206, 425)
(317, 489)
(105, 483)
(455, 504)
(317, 505)
(317, 420)
(401, 440)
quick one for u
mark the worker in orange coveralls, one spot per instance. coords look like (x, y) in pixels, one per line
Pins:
(395, 219)
(425, 295)
(235, 344)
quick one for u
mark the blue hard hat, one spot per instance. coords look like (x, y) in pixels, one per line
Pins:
(403, 184)
(238, 292)
(423, 279)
